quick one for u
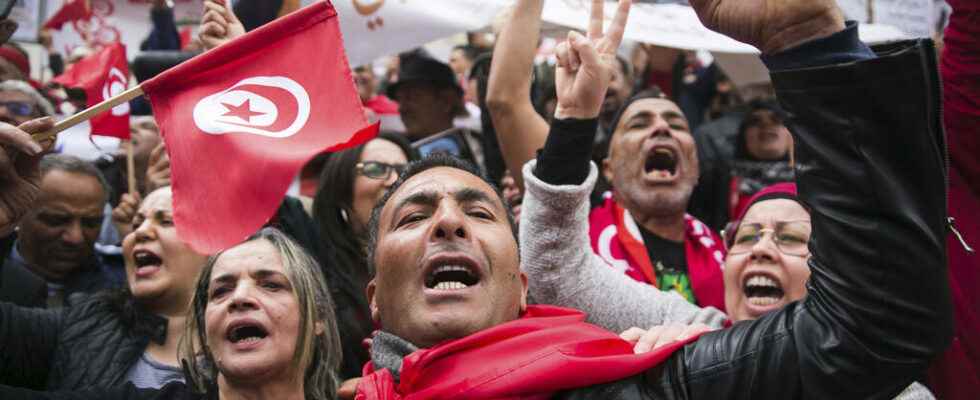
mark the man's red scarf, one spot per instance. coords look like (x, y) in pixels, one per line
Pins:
(548, 350)
(616, 238)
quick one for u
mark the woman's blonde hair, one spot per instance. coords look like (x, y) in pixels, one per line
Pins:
(317, 355)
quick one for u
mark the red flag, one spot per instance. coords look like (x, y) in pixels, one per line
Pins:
(240, 121)
(102, 75)
(71, 10)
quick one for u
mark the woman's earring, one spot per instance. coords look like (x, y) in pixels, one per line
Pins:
(343, 215)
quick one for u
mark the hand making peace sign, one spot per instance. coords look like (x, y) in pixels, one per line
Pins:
(586, 64)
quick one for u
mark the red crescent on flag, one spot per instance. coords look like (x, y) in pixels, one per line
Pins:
(286, 105)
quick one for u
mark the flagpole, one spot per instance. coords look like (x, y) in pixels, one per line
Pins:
(90, 112)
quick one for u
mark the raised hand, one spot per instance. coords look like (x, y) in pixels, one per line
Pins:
(158, 169)
(771, 25)
(586, 64)
(219, 24)
(19, 175)
(122, 215)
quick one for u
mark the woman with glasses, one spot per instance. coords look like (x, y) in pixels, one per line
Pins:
(766, 268)
(351, 183)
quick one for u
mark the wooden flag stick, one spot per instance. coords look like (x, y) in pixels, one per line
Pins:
(88, 113)
(130, 169)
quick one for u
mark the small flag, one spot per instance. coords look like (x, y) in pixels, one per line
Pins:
(240, 121)
(102, 75)
(70, 11)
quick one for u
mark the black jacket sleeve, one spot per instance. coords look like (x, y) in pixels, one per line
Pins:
(28, 337)
(872, 169)
(567, 152)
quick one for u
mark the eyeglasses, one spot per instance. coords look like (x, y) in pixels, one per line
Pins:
(790, 237)
(378, 170)
(18, 108)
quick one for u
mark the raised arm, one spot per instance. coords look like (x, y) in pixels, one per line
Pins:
(871, 168)
(520, 130)
(557, 257)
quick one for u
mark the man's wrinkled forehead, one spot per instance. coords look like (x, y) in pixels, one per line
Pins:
(661, 108)
(440, 182)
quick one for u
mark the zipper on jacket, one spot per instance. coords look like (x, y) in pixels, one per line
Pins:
(951, 223)
(933, 65)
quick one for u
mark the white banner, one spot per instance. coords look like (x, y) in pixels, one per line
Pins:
(917, 18)
(668, 25)
(27, 13)
(677, 26)
(377, 28)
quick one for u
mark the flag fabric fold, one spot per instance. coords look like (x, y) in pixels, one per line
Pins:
(240, 120)
(102, 75)
(70, 11)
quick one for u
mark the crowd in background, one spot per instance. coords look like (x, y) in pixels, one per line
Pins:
(690, 216)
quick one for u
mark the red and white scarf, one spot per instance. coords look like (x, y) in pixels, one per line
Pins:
(616, 238)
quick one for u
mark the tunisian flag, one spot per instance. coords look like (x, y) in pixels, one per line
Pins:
(70, 11)
(102, 75)
(240, 121)
(545, 351)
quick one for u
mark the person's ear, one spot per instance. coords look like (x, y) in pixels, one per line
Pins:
(607, 171)
(375, 316)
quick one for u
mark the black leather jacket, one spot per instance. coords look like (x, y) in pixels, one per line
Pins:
(878, 304)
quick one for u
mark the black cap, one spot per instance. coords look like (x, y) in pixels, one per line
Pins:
(425, 69)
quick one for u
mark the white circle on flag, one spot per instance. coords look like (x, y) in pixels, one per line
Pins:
(115, 84)
(270, 106)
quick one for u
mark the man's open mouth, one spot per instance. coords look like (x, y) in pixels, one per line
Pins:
(452, 276)
(246, 333)
(661, 162)
(762, 290)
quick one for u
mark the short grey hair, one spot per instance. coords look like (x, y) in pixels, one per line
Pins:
(75, 165)
(20, 86)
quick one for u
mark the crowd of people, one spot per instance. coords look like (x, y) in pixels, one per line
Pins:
(584, 226)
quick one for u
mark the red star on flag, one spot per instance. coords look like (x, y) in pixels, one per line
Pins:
(242, 111)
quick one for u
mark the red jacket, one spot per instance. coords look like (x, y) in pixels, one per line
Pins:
(956, 375)
(548, 350)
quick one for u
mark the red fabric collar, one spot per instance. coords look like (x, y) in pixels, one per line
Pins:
(549, 349)
(703, 250)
